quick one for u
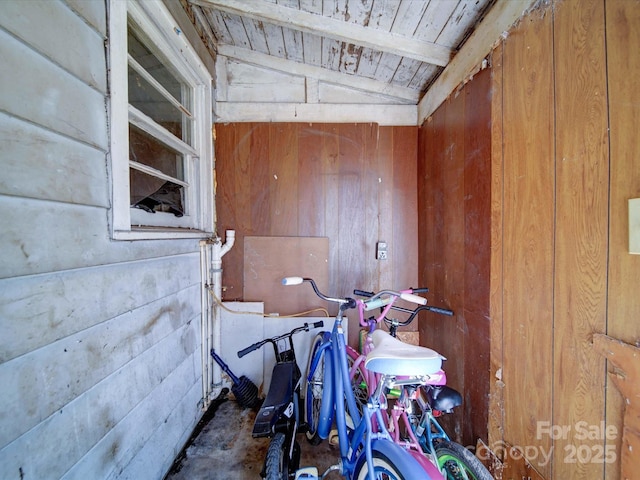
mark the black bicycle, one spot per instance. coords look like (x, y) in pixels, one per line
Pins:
(279, 415)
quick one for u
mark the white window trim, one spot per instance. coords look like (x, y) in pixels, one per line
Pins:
(158, 23)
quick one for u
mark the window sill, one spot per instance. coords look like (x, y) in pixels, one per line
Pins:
(155, 233)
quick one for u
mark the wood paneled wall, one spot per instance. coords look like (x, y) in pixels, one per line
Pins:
(352, 183)
(565, 115)
(563, 145)
(622, 28)
(454, 245)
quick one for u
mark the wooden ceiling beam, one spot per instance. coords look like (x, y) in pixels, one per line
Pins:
(502, 16)
(407, 95)
(292, 18)
(385, 115)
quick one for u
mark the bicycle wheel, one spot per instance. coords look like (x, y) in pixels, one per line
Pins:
(385, 469)
(314, 391)
(275, 466)
(382, 467)
(458, 463)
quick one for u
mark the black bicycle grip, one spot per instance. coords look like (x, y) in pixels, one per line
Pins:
(420, 290)
(362, 293)
(318, 324)
(249, 349)
(441, 311)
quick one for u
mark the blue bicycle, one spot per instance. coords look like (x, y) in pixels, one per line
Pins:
(367, 451)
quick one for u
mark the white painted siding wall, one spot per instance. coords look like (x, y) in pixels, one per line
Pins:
(99, 339)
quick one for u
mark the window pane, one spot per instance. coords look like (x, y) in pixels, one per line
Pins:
(146, 98)
(156, 68)
(152, 194)
(145, 149)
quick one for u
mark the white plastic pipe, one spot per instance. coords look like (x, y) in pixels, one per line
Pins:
(204, 329)
(218, 250)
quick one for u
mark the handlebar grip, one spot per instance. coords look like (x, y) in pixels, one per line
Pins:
(410, 297)
(420, 290)
(362, 293)
(249, 349)
(376, 303)
(292, 280)
(441, 311)
(318, 324)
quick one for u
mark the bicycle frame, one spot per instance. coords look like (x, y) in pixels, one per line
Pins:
(415, 444)
(339, 383)
(336, 389)
(426, 425)
(280, 410)
(425, 437)
(398, 413)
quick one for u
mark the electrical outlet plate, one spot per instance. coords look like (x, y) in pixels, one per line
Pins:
(381, 250)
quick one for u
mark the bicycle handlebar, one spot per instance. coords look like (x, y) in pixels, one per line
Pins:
(250, 348)
(344, 302)
(379, 300)
(306, 327)
(441, 311)
(376, 301)
(364, 293)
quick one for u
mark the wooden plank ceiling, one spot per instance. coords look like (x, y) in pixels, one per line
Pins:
(284, 55)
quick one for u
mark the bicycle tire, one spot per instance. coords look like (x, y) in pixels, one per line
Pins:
(314, 392)
(383, 467)
(458, 463)
(275, 464)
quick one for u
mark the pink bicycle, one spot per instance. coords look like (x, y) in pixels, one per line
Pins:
(415, 401)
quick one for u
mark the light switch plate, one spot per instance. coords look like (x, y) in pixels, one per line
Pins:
(634, 226)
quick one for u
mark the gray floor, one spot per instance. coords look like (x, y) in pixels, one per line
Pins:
(223, 449)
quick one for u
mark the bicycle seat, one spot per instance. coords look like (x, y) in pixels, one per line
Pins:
(390, 356)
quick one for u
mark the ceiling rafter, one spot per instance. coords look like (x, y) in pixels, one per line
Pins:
(319, 73)
(498, 20)
(396, 115)
(337, 29)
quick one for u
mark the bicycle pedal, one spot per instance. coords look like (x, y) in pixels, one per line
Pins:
(334, 439)
(307, 473)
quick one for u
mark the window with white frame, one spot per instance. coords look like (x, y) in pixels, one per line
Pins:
(161, 145)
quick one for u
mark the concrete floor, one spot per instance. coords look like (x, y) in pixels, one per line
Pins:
(222, 448)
